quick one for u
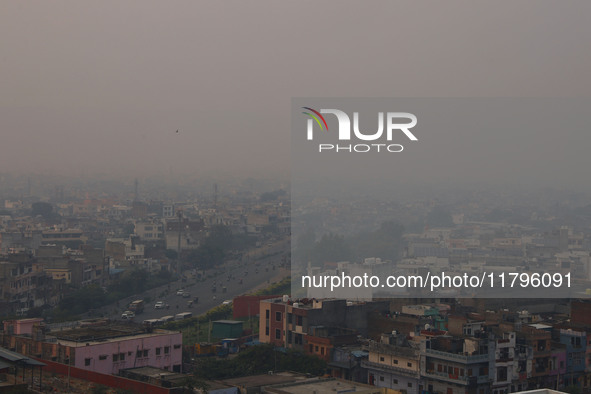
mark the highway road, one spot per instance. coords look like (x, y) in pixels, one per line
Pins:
(261, 267)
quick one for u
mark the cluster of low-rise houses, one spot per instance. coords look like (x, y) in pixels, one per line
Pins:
(93, 240)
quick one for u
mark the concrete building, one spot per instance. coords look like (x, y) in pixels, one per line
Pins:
(287, 323)
(149, 230)
(99, 346)
(23, 283)
(393, 363)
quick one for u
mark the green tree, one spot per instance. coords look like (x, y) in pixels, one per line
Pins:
(41, 209)
(331, 247)
(439, 217)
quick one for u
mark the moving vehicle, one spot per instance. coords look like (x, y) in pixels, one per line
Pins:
(127, 315)
(180, 292)
(159, 305)
(183, 316)
(151, 322)
(166, 319)
(137, 306)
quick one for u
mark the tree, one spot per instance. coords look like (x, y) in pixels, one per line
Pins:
(439, 217)
(331, 247)
(43, 209)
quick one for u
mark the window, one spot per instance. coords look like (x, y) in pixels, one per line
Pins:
(409, 384)
(277, 333)
(146, 352)
(381, 378)
(122, 356)
(439, 368)
(267, 314)
(322, 351)
(409, 364)
(381, 358)
(87, 361)
(266, 330)
(178, 346)
(138, 354)
(300, 321)
(395, 381)
(115, 357)
(158, 349)
(103, 357)
(395, 361)
(166, 349)
(311, 348)
(316, 348)
(289, 318)
(277, 316)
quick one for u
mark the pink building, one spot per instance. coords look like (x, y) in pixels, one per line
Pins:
(21, 326)
(104, 346)
(160, 349)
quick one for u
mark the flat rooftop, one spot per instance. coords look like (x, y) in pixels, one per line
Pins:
(264, 380)
(109, 332)
(322, 386)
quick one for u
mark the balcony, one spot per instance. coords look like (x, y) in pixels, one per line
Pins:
(464, 380)
(478, 358)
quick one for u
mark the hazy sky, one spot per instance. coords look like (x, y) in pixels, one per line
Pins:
(102, 86)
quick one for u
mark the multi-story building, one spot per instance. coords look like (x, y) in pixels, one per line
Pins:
(23, 283)
(191, 234)
(393, 363)
(503, 371)
(287, 323)
(455, 365)
(150, 230)
(576, 348)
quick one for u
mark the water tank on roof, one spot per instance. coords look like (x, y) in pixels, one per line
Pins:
(285, 298)
(296, 304)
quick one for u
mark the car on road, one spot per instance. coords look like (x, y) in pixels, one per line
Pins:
(159, 305)
(186, 295)
(180, 292)
(127, 315)
(227, 302)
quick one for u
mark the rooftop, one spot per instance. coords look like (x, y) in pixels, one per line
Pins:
(109, 332)
(322, 386)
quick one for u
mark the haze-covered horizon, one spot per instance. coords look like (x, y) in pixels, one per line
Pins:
(99, 89)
